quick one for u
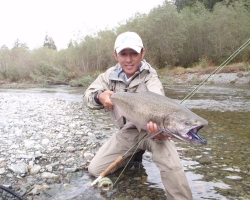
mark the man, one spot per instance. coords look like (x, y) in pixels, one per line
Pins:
(126, 76)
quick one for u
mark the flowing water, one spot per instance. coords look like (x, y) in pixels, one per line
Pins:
(225, 173)
(227, 109)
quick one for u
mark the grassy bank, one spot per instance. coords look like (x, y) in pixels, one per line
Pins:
(168, 76)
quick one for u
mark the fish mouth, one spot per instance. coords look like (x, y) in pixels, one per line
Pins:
(191, 136)
(194, 137)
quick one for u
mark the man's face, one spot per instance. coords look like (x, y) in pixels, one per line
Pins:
(129, 60)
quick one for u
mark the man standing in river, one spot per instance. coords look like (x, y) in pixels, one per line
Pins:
(125, 77)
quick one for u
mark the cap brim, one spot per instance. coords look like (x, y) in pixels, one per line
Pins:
(136, 48)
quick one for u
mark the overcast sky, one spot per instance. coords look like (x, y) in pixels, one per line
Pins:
(30, 20)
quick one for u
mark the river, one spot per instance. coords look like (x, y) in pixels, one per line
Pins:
(227, 109)
(224, 176)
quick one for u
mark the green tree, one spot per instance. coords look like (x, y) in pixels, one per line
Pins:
(49, 43)
(96, 51)
(3, 47)
(229, 29)
(18, 44)
(180, 4)
(70, 45)
(166, 35)
(196, 20)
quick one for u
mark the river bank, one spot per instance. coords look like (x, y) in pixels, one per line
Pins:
(221, 78)
(232, 78)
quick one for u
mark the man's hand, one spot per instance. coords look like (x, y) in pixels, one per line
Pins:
(104, 98)
(153, 128)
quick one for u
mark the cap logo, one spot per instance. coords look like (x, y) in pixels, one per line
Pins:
(128, 38)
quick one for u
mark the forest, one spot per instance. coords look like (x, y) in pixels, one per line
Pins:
(180, 33)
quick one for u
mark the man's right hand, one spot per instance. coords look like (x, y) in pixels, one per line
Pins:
(104, 98)
(153, 128)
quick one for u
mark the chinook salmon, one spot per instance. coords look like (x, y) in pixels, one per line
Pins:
(172, 118)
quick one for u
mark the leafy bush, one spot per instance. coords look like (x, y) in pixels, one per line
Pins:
(84, 81)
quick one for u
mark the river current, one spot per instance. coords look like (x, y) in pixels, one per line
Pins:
(226, 173)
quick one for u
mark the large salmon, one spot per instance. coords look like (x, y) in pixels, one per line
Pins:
(172, 118)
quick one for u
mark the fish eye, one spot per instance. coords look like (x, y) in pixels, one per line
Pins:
(186, 123)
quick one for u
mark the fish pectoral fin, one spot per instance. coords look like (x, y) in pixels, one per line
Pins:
(118, 115)
(138, 128)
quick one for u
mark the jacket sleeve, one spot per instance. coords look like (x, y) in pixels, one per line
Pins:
(153, 83)
(100, 84)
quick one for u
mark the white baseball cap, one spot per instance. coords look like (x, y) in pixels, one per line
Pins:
(128, 40)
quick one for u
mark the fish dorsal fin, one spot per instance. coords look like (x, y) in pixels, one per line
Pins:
(142, 87)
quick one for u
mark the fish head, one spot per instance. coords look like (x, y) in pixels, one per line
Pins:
(185, 126)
